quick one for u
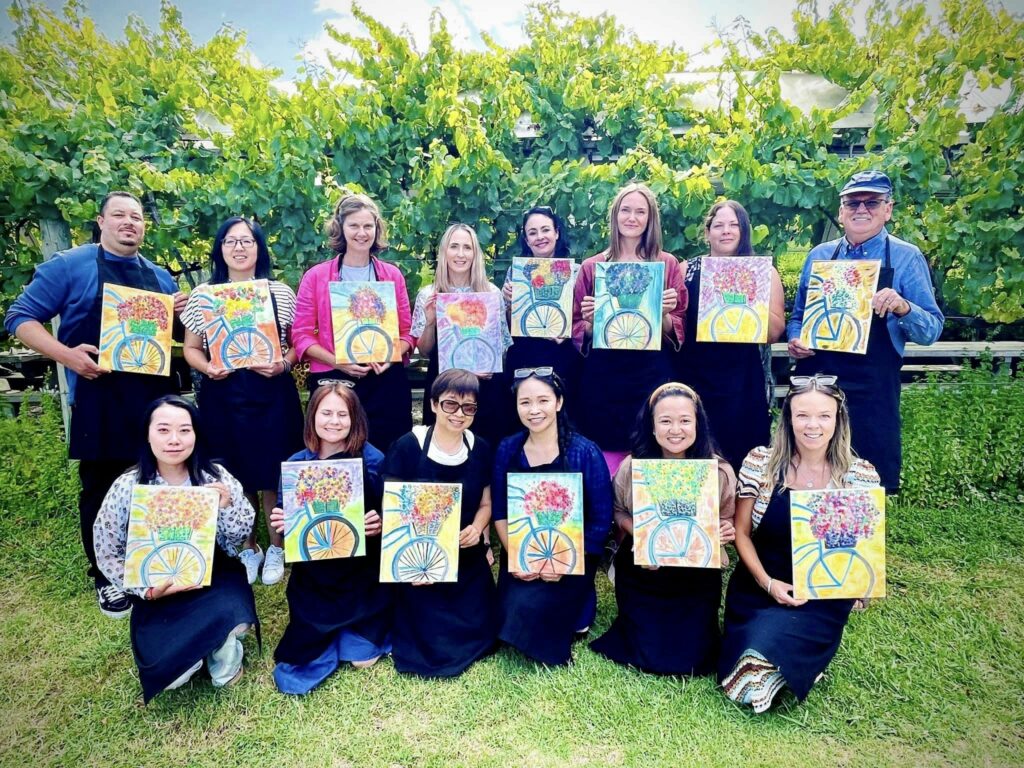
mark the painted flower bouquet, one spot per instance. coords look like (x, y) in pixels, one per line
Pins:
(143, 315)
(468, 315)
(627, 283)
(323, 489)
(425, 508)
(675, 487)
(838, 296)
(237, 304)
(547, 277)
(549, 502)
(736, 285)
(367, 307)
(175, 514)
(842, 520)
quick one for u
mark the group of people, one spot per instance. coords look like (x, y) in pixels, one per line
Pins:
(559, 406)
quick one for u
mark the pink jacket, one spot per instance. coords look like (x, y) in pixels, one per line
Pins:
(313, 308)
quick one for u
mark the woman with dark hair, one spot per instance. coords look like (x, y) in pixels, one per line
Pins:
(441, 628)
(175, 629)
(541, 613)
(339, 611)
(253, 415)
(358, 235)
(668, 616)
(771, 639)
(730, 377)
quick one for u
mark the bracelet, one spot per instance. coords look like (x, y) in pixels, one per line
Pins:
(287, 366)
(768, 589)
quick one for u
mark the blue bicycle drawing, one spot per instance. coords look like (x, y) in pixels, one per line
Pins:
(834, 560)
(420, 559)
(830, 317)
(131, 342)
(539, 308)
(668, 527)
(239, 342)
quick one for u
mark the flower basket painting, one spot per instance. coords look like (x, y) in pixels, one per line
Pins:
(542, 298)
(241, 330)
(733, 300)
(627, 310)
(837, 313)
(469, 331)
(171, 535)
(323, 509)
(838, 543)
(364, 317)
(675, 513)
(545, 523)
(420, 535)
(135, 330)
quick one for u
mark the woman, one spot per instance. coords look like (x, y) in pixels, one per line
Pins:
(540, 614)
(338, 609)
(357, 234)
(668, 616)
(730, 378)
(253, 415)
(460, 269)
(174, 629)
(771, 639)
(442, 628)
(613, 382)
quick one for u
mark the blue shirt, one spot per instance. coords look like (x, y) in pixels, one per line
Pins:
(67, 285)
(912, 280)
(582, 456)
(373, 470)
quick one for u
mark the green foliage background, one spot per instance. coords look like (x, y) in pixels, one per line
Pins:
(431, 136)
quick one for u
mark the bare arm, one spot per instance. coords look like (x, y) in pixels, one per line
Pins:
(776, 309)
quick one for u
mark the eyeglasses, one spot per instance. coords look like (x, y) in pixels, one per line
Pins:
(817, 380)
(233, 242)
(330, 382)
(452, 406)
(871, 205)
(541, 370)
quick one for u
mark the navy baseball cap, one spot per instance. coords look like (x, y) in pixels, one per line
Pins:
(868, 181)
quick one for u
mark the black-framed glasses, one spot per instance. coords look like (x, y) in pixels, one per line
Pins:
(540, 370)
(817, 380)
(871, 205)
(452, 406)
(232, 242)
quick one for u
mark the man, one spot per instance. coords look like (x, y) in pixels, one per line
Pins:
(106, 429)
(905, 310)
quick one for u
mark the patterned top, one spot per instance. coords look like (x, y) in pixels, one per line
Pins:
(755, 484)
(284, 298)
(110, 531)
(419, 312)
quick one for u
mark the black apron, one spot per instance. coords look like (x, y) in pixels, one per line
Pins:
(493, 420)
(872, 386)
(106, 420)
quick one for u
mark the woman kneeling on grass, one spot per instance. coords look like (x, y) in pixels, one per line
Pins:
(175, 628)
(338, 609)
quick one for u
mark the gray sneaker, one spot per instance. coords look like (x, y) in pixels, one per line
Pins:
(251, 559)
(273, 568)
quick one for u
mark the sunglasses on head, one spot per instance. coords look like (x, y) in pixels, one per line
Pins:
(452, 406)
(817, 380)
(343, 382)
(525, 373)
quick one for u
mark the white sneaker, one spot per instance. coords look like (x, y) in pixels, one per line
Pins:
(251, 559)
(273, 566)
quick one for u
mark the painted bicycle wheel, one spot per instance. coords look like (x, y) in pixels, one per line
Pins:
(544, 320)
(679, 541)
(139, 354)
(179, 562)
(246, 347)
(627, 329)
(474, 354)
(838, 323)
(547, 550)
(420, 561)
(737, 322)
(328, 537)
(836, 570)
(369, 344)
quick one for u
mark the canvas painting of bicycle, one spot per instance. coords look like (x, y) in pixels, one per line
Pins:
(542, 298)
(364, 316)
(675, 513)
(469, 331)
(420, 534)
(545, 523)
(627, 309)
(171, 535)
(323, 509)
(837, 314)
(241, 330)
(733, 302)
(135, 330)
(838, 543)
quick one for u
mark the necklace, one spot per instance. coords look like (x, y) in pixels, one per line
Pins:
(817, 479)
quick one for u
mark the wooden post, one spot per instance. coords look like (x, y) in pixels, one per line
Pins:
(56, 236)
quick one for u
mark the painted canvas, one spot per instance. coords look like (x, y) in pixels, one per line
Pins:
(837, 313)
(838, 543)
(323, 509)
(171, 534)
(627, 310)
(364, 316)
(240, 327)
(545, 523)
(542, 298)
(733, 303)
(675, 513)
(135, 330)
(469, 331)
(420, 535)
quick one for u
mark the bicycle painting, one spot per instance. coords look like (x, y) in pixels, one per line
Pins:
(241, 330)
(675, 513)
(323, 509)
(545, 523)
(837, 315)
(420, 533)
(838, 543)
(171, 535)
(733, 302)
(364, 317)
(627, 309)
(542, 298)
(135, 330)
(469, 331)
